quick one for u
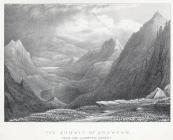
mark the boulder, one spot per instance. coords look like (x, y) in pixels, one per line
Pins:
(157, 93)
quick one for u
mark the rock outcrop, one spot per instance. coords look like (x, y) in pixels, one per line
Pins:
(167, 90)
(157, 93)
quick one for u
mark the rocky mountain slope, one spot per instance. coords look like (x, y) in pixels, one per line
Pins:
(20, 65)
(20, 100)
(142, 66)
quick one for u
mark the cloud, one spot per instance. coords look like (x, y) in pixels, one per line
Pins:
(106, 21)
(109, 8)
(40, 13)
(95, 28)
(82, 25)
(128, 25)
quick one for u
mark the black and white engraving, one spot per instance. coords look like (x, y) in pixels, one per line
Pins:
(87, 62)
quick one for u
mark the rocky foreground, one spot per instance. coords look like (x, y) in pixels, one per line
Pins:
(138, 110)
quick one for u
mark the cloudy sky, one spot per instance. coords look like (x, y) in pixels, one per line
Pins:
(42, 27)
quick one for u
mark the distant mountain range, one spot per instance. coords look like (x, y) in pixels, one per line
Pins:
(78, 69)
(47, 83)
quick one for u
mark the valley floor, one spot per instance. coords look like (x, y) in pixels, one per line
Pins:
(139, 110)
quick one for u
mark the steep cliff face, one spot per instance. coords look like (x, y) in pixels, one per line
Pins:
(138, 64)
(20, 99)
(158, 70)
(142, 66)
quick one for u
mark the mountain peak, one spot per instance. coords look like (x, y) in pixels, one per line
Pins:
(154, 24)
(157, 15)
(15, 44)
(19, 42)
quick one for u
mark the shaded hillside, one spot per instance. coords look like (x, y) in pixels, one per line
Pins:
(77, 70)
(136, 72)
(158, 70)
(20, 100)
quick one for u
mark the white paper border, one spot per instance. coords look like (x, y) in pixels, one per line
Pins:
(52, 131)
